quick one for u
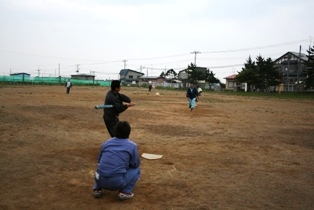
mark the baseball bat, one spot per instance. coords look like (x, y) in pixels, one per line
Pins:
(105, 106)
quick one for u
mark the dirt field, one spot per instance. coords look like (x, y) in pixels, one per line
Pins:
(231, 152)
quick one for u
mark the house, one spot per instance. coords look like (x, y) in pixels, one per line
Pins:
(231, 83)
(21, 77)
(83, 76)
(184, 76)
(292, 66)
(129, 76)
(156, 80)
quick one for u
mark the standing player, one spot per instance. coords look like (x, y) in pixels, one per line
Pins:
(116, 99)
(192, 96)
(68, 86)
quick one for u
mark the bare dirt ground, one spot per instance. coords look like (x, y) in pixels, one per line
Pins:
(231, 152)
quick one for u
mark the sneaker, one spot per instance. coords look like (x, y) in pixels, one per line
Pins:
(125, 196)
(97, 193)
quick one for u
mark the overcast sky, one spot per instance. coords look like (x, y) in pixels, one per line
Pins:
(101, 36)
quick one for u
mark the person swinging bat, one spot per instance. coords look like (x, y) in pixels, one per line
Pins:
(114, 102)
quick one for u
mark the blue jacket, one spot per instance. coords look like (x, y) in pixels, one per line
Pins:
(191, 93)
(116, 155)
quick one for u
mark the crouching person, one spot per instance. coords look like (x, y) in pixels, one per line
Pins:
(118, 164)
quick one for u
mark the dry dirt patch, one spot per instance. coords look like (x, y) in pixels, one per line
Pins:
(231, 152)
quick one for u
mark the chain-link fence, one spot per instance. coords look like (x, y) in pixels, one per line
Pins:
(23, 79)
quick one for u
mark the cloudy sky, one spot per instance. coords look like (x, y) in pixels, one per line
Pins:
(104, 36)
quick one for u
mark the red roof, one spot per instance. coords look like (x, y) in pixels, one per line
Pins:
(233, 76)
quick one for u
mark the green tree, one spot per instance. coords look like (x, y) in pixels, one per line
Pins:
(192, 73)
(248, 73)
(309, 81)
(272, 74)
(262, 74)
(171, 73)
(195, 74)
(267, 74)
(210, 77)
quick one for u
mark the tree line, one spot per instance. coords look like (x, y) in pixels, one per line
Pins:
(194, 74)
(262, 73)
(259, 74)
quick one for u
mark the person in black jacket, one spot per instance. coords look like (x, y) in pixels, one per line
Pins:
(192, 96)
(113, 97)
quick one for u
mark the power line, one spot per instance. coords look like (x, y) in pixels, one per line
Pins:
(168, 56)
(227, 66)
(255, 48)
(152, 58)
(107, 62)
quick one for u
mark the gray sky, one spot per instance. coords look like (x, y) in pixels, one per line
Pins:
(155, 34)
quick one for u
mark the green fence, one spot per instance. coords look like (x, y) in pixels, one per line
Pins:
(50, 80)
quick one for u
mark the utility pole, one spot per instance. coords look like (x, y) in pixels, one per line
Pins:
(195, 52)
(289, 56)
(77, 68)
(124, 61)
(92, 73)
(299, 60)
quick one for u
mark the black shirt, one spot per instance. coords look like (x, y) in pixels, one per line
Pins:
(115, 99)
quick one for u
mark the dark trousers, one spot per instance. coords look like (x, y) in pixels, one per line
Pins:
(68, 90)
(110, 122)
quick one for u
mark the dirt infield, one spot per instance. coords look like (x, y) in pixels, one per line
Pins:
(231, 152)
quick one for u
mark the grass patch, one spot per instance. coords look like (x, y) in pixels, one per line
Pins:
(282, 95)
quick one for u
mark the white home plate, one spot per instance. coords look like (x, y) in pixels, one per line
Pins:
(151, 156)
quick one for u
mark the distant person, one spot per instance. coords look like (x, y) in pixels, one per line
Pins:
(150, 87)
(113, 97)
(280, 88)
(192, 96)
(68, 86)
(118, 164)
